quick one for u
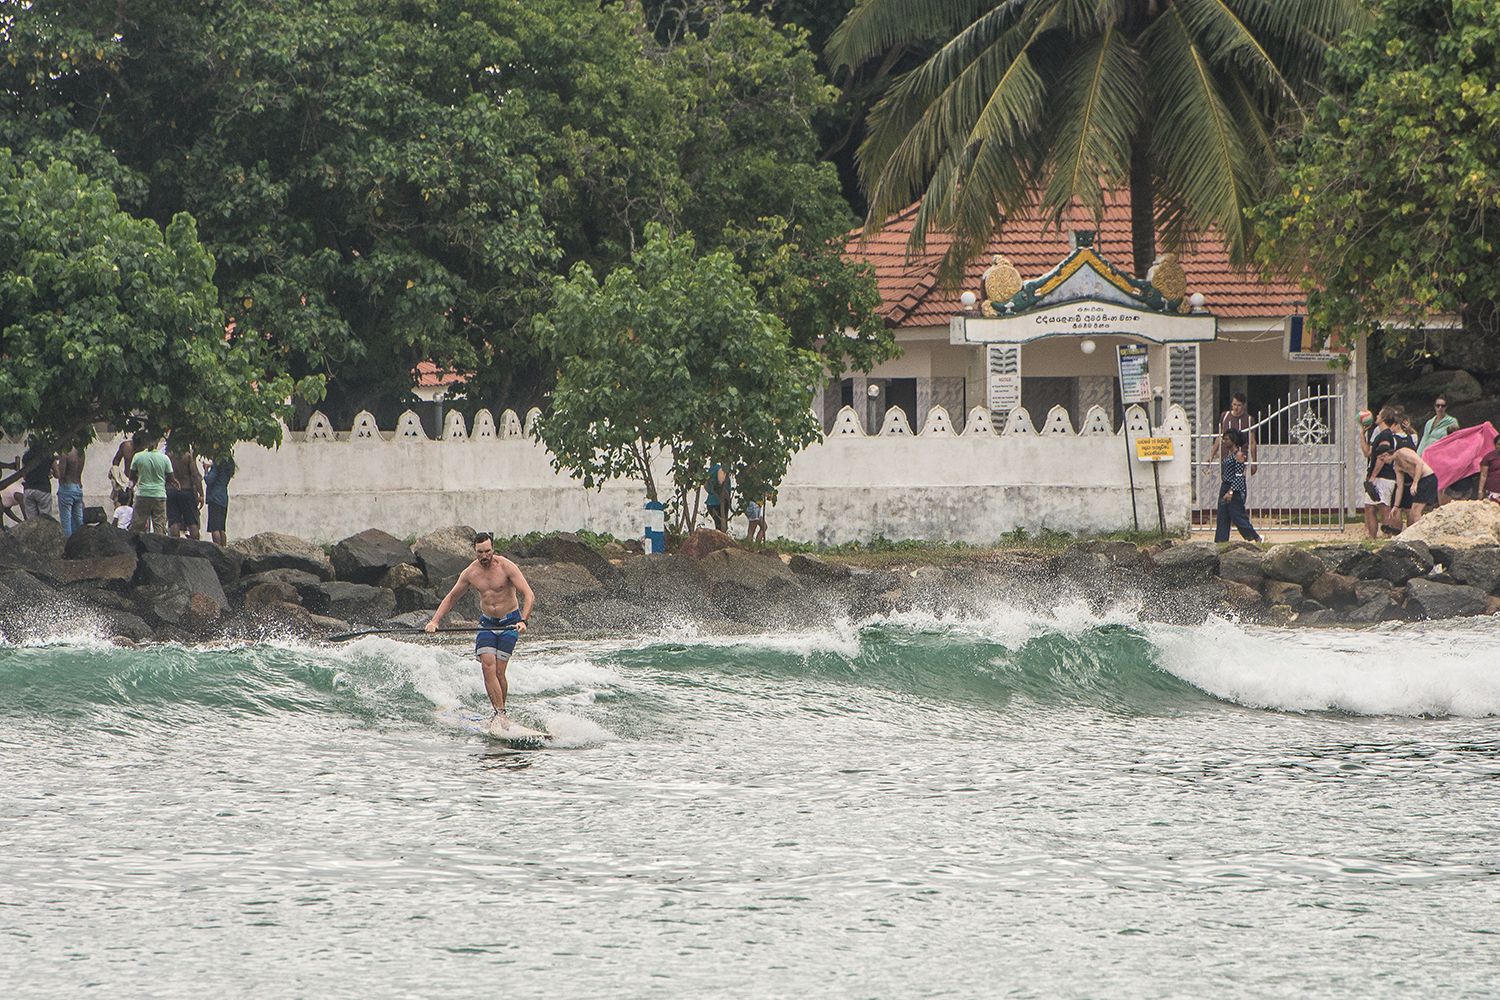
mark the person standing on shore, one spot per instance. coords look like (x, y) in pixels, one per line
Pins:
(69, 470)
(1237, 418)
(184, 494)
(36, 483)
(505, 601)
(1439, 427)
(149, 470)
(719, 487)
(216, 496)
(1414, 478)
(1489, 474)
(1232, 490)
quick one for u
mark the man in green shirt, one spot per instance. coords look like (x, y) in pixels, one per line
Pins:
(149, 470)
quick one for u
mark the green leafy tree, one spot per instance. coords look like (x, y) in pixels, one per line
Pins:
(1388, 213)
(672, 356)
(365, 188)
(1178, 99)
(105, 317)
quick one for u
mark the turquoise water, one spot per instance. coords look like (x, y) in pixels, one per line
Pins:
(1017, 806)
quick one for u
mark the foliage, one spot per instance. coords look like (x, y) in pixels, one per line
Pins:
(367, 196)
(1387, 213)
(1176, 99)
(104, 317)
(673, 357)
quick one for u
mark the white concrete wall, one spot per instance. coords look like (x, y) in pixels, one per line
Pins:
(953, 483)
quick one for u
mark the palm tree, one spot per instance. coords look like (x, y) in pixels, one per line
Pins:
(1178, 99)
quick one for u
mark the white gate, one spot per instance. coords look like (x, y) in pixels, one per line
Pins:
(1301, 477)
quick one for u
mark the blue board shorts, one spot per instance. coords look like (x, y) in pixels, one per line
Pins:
(753, 510)
(501, 644)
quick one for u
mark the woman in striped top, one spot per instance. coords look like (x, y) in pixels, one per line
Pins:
(1232, 490)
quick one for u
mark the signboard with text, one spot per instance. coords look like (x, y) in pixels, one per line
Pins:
(1153, 449)
(1135, 374)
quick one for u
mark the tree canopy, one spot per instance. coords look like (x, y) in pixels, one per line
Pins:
(386, 182)
(104, 317)
(672, 356)
(1386, 214)
(1176, 99)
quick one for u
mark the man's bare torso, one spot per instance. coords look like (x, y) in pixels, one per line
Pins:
(495, 584)
(70, 468)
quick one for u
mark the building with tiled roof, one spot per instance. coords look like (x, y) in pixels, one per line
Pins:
(1251, 346)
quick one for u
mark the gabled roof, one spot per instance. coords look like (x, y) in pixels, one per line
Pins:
(913, 299)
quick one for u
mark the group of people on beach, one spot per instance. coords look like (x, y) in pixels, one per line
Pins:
(152, 490)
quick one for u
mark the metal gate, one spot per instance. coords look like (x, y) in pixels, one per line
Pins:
(1301, 478)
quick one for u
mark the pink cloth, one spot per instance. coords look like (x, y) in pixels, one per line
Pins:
(1458, 454)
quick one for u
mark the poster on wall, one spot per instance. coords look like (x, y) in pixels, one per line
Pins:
(1004, 382)
(1135, 374)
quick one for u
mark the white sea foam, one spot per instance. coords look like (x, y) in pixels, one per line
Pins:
(1437, 669)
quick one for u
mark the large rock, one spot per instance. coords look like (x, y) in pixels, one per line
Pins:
(1291, 564)
(350, 602)
(819, 569)
(226, 562)
(299, 581)
(755, 590)
(1333, 590)
(405, 575)
(368, 555)
(271, 550)
(409, 599)
(558, 587)
(271, 592)
(99, 541)
(564, 547)
(15, 558)
(1346, 559)
(445, 553)
(1121, 555)
(41, 536)
(1279, 592)
(668, 585)
(1459, 524)
(116, 571)
(705, 540)
(1442, 600)
(188, 574)
(1400, 561)
(1242, 566)
(1189, 564)
(1478, 566)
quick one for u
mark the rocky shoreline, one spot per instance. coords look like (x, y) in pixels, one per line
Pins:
(132, 589)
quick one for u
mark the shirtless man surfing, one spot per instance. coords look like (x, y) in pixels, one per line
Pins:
(498, 581)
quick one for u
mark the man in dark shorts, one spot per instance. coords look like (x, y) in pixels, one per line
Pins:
(505, 601)
(185, 498)
(1413, 475)
(1489, 474)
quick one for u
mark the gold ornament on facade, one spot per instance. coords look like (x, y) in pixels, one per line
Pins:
(1001, 281)
(1169, 278)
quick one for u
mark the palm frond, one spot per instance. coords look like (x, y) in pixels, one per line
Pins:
(1229, 42)
(1297, 34)
(1199, 152)
(873, 26)
(984, 87)
(1097, 105)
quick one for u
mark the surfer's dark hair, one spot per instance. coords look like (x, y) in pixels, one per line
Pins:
(484, 536)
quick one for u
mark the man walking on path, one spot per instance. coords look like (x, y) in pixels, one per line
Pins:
(502, 617)
(1439, 427)
(69, 469)
(149, 470)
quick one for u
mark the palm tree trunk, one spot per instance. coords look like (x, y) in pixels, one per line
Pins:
(1142, 202)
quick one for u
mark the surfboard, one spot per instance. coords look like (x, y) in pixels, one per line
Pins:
(516, 735)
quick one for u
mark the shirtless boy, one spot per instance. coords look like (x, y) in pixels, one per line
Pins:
(1412, 474)
(498, 581)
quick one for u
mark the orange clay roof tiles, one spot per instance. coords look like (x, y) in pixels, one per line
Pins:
(913, 298)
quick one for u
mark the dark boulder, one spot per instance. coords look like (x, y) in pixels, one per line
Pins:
(367, 556)
(350, 602)
(15, 557)
(1242, 565)
(99, 541)
(271, 550)
(41, 536)
(668, 584)
(445, 553)
(1291, 564)
(754, 590)
(565, 547)
(1186, 565)
(705, 540)
(1121, 555)
(1334, 590)
(1281, 592)
(410, 599)
(226, 562)
(1346, 560)
(116, 572)
(819, 569)
(1477, 567)
(1400, 561)
(1441, 600)
(187, 573)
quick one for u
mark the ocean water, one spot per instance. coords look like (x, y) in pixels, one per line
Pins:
(1016, 805)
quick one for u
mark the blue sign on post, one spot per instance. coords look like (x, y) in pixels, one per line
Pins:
(656, 527)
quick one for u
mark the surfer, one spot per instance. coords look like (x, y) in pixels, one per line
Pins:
(502, 616)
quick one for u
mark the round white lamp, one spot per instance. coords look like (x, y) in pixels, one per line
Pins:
(968, 299)
(872, 390)
(1196, 301)
(1087, 347)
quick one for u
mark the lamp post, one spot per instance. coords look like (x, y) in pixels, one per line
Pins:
(873, 391)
